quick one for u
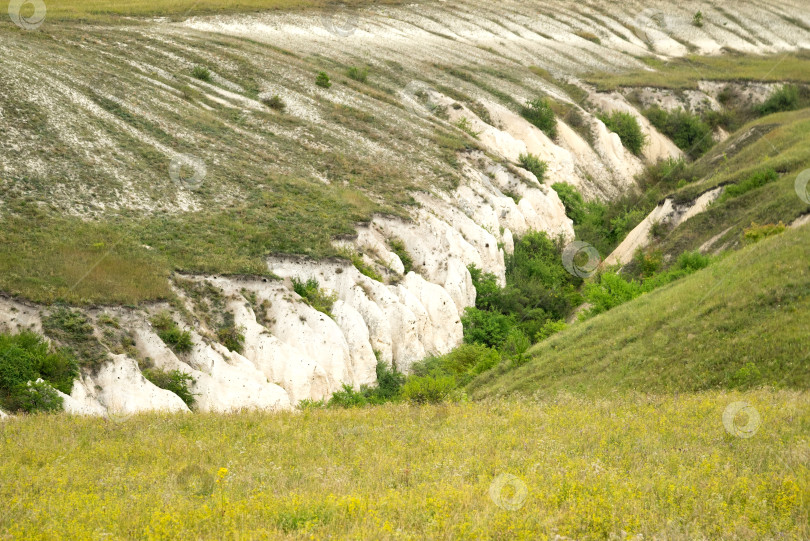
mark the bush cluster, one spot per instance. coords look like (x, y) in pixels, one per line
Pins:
(175, 381)
(612, 289)
(534, 165)
(626, 126)
(540, 113)
(26, 358)
(538, 289)
(687, 130)
(313, 295)
(168, 331)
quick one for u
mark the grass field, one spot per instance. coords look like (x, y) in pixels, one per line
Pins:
(622, 466)
(684, 73)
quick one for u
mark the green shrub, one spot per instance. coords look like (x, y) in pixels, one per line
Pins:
(464, 125)
(428, 389)
(398, 247)
(322, 80)
(201, 72)
(540, 113)
(175, 381)
(610, 291)
(516, 345)
(485, 327)
(462, 364)
(697, 19)
(358, 74)
(275, 102)
(757, 180)
(533, 164)
(757, 232)
(73, 330)
(549, 328)
(389, 381)
(168, 331)
(314, 296)
(36, 396)
(626, 126)
(692, 261)
(785, 98)
(347, 397)
(688, 131)
(27, 357)
(364, 268)
(231, 336)
(572, 201)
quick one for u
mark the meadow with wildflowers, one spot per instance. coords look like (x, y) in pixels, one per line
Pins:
(629, 466)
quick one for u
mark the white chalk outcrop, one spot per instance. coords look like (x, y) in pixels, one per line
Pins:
(670, 214)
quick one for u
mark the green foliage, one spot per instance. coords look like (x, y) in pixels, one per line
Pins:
(572, 201)
(322, 80)
(466, 126)
(697, 19)
(364, 268)
(168, 331)
(202, 73)
(626, 126)
(358, 74)
(25, 358)
(175, 381)
(785, 98)
(428, 389)
(275, 102)
(36, 396)
(757, 180)
(314, 296)
(462, 364)
(485, 327)
(688, 131)
(388, 389)
(538, 289)
(757, 232)
(540, 113)
(549, 328)
(612, 289)
(398, 247)
(73, 330)
(533, 164)
(230, 335)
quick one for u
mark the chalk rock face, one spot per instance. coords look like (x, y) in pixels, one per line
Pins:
(3, 415)
(123, 389)
(668, 213)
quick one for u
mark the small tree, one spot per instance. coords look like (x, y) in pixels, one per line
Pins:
(322, 80)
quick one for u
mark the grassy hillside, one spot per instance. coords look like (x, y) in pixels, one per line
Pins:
(62, 10)
(739, 323)
(586, 469)
(777, 143)
(685, 73)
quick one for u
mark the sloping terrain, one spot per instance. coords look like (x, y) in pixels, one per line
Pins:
(193, 166)
(736, 324)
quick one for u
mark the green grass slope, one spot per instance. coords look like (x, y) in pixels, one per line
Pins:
(740, 323)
